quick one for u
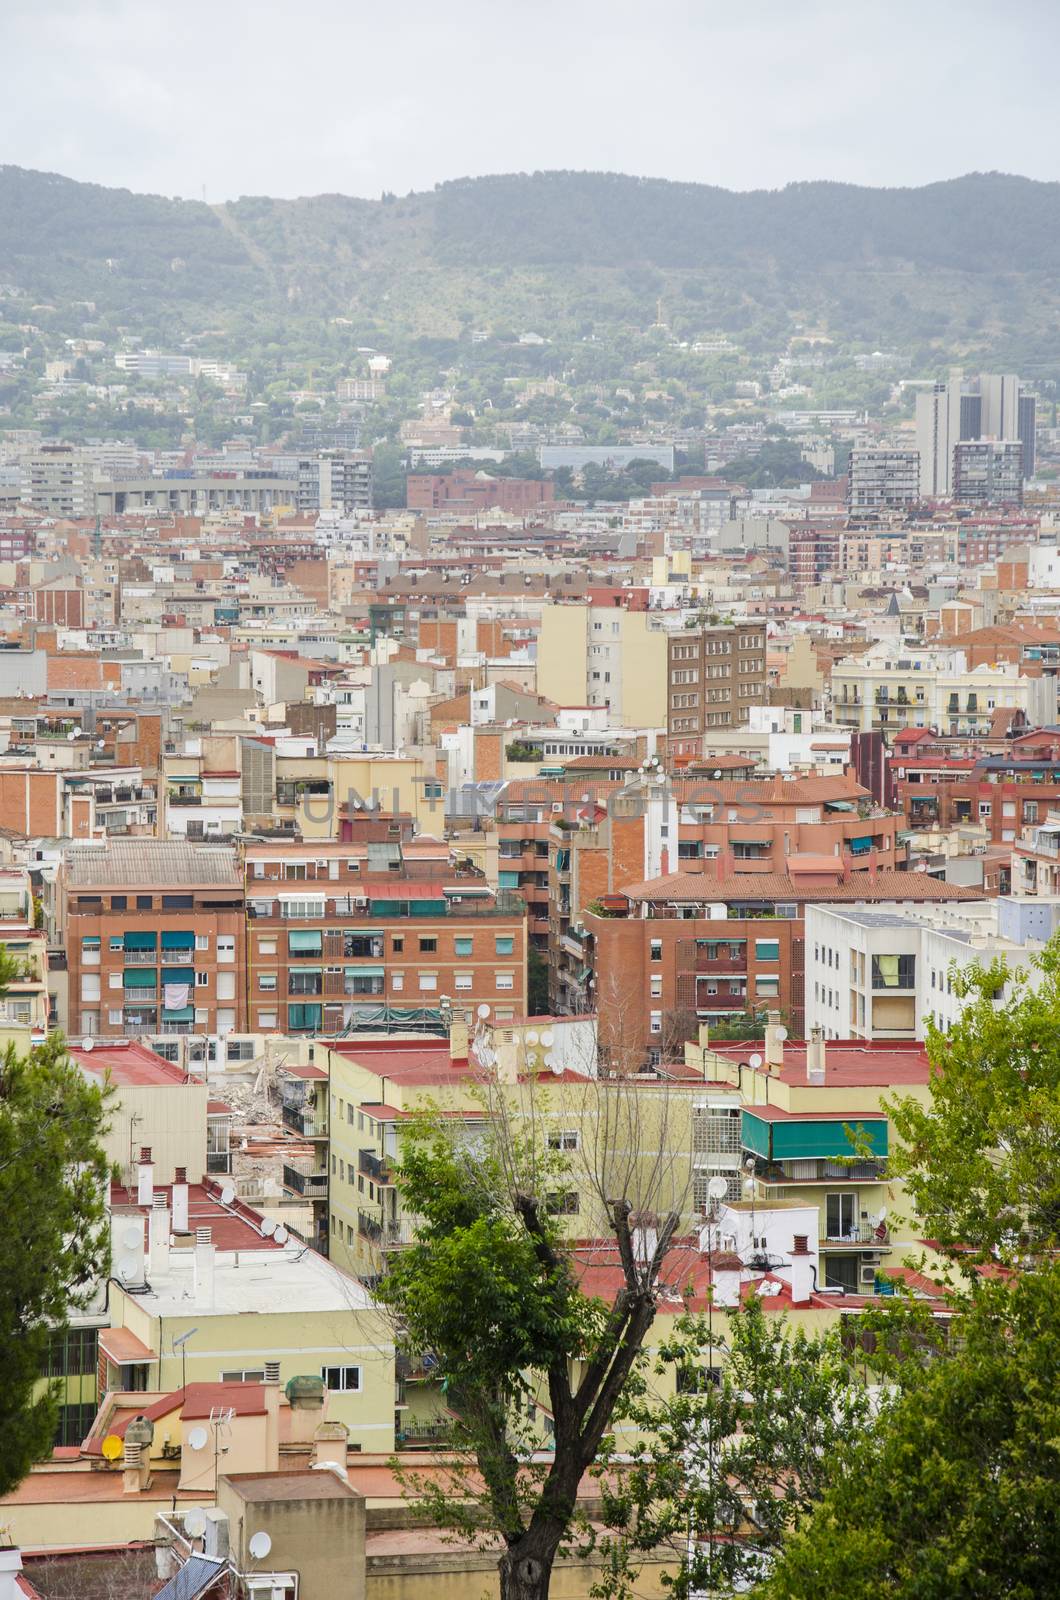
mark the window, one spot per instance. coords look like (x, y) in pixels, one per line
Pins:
(202, 941)
(202, 979)
(244, 1375)
(145, 902)
(226, 947)
(463, 947)
(463, 980)
(267, 1020)
(841, 1216)
(305, 942)
(266, 947)
(656, 950)
(563, 1139)
(656, 987)
(428, 944)
(90, 986)
(397, 942)
(767, 949)
(90, 952)
(178, 902)
(767, 988)
(504, 945)
(267, 982)
(656, 1022)
(563, 1203)
(428, 982)
(397, 981)
(342, 1380)
(118, 902)
(504, 980)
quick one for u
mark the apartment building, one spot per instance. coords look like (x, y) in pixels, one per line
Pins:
(687, 948)
(714, 675)
(988, 472)
(611, 655)
(885, 973)
(882, 481)
(335, 480)
(25, 1002)
(342, 937)
(893, 686)
(154, 935)
(799, 1102)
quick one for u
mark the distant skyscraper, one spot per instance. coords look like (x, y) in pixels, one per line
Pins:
(992, 406)
(881, 480)
(988, 472)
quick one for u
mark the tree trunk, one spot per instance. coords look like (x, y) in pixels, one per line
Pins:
(525, 1568)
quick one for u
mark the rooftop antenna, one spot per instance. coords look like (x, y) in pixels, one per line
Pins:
(180, 1343)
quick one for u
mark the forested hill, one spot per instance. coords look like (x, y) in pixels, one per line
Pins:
(575, 250)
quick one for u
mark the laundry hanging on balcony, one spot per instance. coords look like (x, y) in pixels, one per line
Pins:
(175, 996)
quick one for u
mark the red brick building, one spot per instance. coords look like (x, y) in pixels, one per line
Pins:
(466, 492)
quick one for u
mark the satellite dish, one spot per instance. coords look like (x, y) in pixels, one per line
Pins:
(782, 1034)
(717, 1188)
(281, 1235)
(133, 1236)
(755, 1060)
(533, 1036)
(129, 1268)
(197, 1438)
(552, 1060)
(88, 1043)
(748, 1186)
(268, 1227)
(260, 1545)
(195, 1522)
(228, 1194)
(547, 1037)
(72, 735)
(483, 1012)
(112, 1447)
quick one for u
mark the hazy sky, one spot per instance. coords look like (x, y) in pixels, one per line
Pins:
(306, 96)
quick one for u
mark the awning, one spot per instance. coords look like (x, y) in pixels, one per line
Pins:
(358, 972)
(839, 805)
(123, 1347)
(142, 941)
(176, 940)
(178, 975)
(304, 939)
(181, 1014)
(141, 978)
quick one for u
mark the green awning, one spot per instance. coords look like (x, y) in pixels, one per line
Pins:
(812, 1139)
(178, 975)
(305, 939)
(141, 941)
(177, 940)
(141, 978)
(839, 805)
(185, 1014)
(363, 972)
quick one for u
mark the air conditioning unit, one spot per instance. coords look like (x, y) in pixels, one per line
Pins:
(868, 1274)
(359, 900)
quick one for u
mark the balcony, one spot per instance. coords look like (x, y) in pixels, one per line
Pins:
(723, 965)
(140, 958)
(892, 974)
(424, 1435)
(309, 1124)
(310, 1185)
(369, 1227)
(374, 1167)
(860, 1238)
(185, 798)
(777, 1174)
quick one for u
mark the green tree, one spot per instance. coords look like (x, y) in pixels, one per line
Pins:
(733, 1460)
(53, 1245)
(537, 983)
(955, 1493)
(981, 1162)
(489, 1287)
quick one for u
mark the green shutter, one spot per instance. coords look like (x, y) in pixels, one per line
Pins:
(505, 944)
(508, 880)
(141, 978)
(464, 947)
(767, 949)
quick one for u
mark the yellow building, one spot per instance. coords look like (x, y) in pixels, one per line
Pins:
(604, 656)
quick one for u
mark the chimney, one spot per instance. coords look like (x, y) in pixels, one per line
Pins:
(815, 1060)
(180, 1200)
(330, 1443)
(10, 1567)
(458, 1042)
(802, 1271)
(145, 1178)
(774, 1050)
(704, 1035)
(204, 1265)
(215, 1540)
(136, 1469)
(271, 1392)
(158, 1237)
(726, 1277)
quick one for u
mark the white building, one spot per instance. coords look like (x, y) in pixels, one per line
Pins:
(882, 972)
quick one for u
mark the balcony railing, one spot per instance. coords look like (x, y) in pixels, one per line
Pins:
(310, 1124)
(858, 1238)
(369, 1227)
(141, 958)
(310, 1185)
(374, 1167)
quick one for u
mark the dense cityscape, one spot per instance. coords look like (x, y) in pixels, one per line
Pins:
(530, 892)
